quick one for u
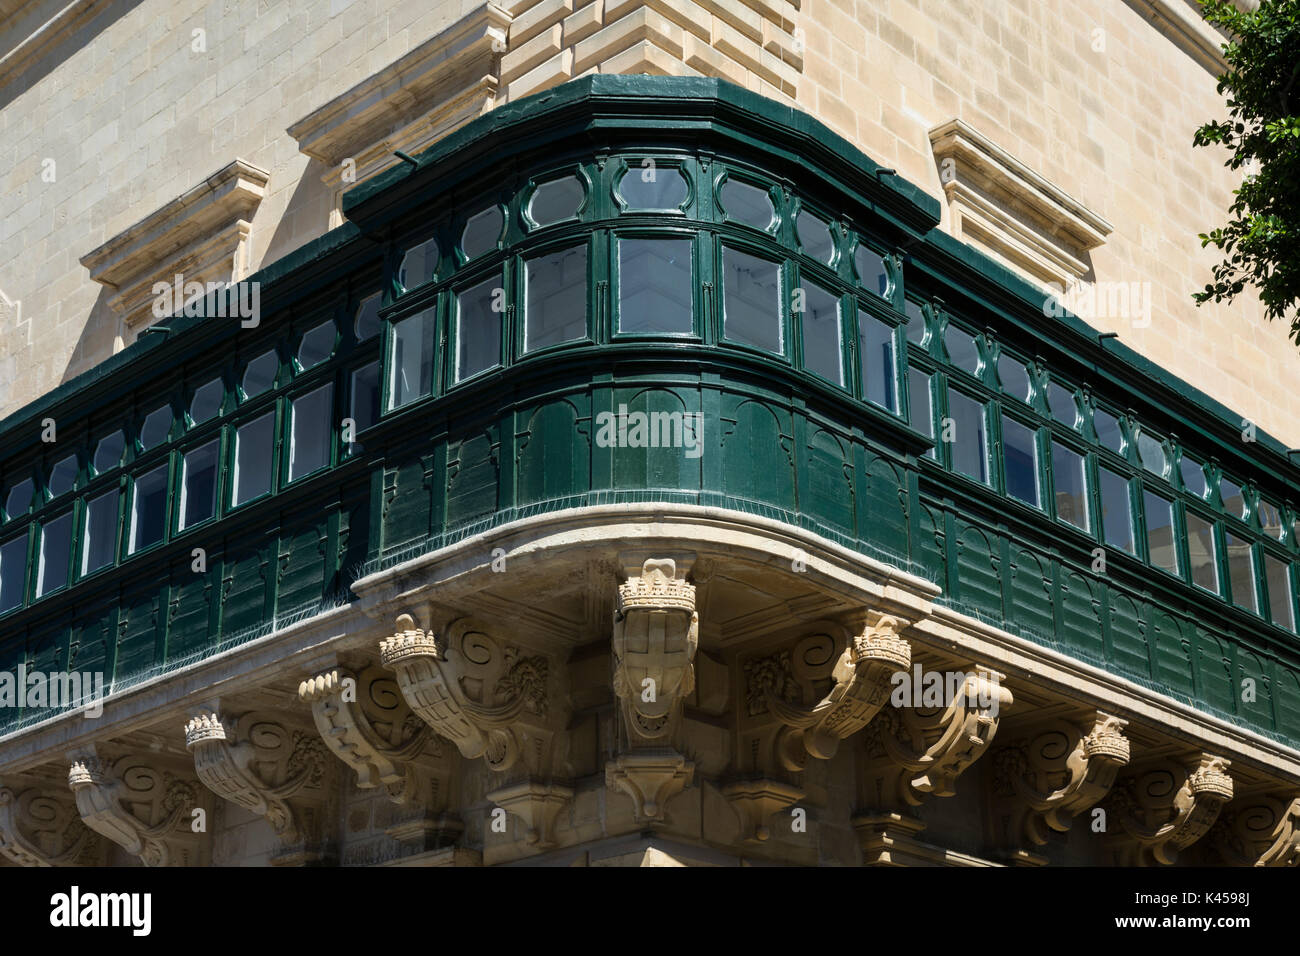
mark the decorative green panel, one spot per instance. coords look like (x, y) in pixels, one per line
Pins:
(1081, 614)
(670, 466)
(1217, 685)
(90, 647)
(553, 453)
(407, 501)
(1173, 653)
(826, 483)
(930, 544)
(190, 614)
(1128, 640)
(1288, 703)
(885, 503)
(301, 572)
(978, 583)
(243, 593)
(1031, 593)
(138, 637)
(473, 473)
(1252, 668)
(757, 453)
(47, 650)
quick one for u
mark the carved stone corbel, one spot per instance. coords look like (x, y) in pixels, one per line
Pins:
(1166, 806)
(257, 763)
(143, 809)
(1056, 771)
(40, 826)
(656, 633)
(1263, 832)
(497, 702)
(364, 721)
(919, 751)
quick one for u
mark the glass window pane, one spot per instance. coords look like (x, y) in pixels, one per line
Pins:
(199, 484)
(482, 232)
(1020, 459)
(1014, 377)
(1069, 477)
(156, 427)
(108, 453)
(652, 187)
(654, 285)
(62, 476)
(478, 328)
(56, 551)
(1152, 453)
(1116, 510)
(920, 405)
(311, 432)
(747, 204)
(364, 410)
(556, 200)
(19, 499)
(872, 274)
(1064, 409)
(1281, 603)
(317, 345)
(417, 268)
(206, 401)
(822, 340)
(366, 325)
(876, 343)
(254, 448)
(969, 439)
(1234, 503)
(962, 351)
(149, 509)
(1270, 519)
(555, 298)
(1201, 551)
(100, 545)
(260, 374)
(751, 301)
(1241, 572)
(815, 238)
(1109, 433)
(412, 358)
(1162, 549)
(13, 572)
(915, 321)
(1193, 476)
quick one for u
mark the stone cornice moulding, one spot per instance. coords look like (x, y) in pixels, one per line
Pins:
(43, 38)
(1188, 31)
(205, 228)
(1018, 215)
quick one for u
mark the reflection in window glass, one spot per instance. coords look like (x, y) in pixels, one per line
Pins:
(13, 572)
(148, 509)
(482, 232)
(650, 187)
(556, 200)
(872, 274)
(62, 476)
(751, 300)
(815, 237)
(920, 404)
(156, 427)
(418, 266)
(317, 345)
(822, 344)
(1270, 519)
(1202, 552)
(747, 204)
(1152, 454)
(968, 436)
(260, 374)
(1063, 407)
(1162, 550)
(254, 449)
(1241, 572)
(1108, 430)
(364, 410)
(1069, 476)
(412, 359)
(1234, 503)
(1020, 461)
(206, 401)
(876, 343)
(1281, 603)
(478, 328)
(56, 551)
(555, 298)
(1014, 377)
(199, 484)
(962, 351)
(366, 324)
(654, 285)
(100, 544)
(108, 453)
(19, 498)
(1116, 510)
(310, 433)
(1193, 476)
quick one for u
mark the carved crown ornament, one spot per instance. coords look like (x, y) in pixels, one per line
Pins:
(1165, 806)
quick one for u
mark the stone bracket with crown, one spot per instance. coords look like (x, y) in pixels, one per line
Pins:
(272, 770)
(40, 826)
(1264, 831)
(1164, 806)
